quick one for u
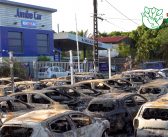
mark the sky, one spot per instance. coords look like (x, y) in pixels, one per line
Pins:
(118, 15)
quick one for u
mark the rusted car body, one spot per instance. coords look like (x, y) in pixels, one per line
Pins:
(82, 77)
(154, 89)
(70, 96)
(55, 123)
(152, 119)
(38, 99)
(5, 90)
(56, 81)
(147, 74)
(7, 80)
(98, 85)
(107, 85)
(118, 108)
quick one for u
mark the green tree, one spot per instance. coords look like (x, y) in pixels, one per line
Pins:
(147, 43)
(124, 50)
(163, 49)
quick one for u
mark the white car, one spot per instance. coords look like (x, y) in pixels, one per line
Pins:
(55, 123)
(152, 119)
(51, 72)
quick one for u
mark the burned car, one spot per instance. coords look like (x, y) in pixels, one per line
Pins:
(55, 123)
(152, 119)
(5, 90)
(144, 75)
(118, 108)
(82, 76)
(67, 94)
(7, 80)
(10, 108)
(106, 85)
(154, 89)
(98, 85)
(121, 84)
(56, 81)
(40, 99)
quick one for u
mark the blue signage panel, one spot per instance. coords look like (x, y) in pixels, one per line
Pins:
(28, 23)
(103, 67)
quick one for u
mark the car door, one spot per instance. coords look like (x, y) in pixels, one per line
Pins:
(39, 101)
(130, 106)
(61, 127)
(84, 125)
(139, 101)
(56, 72)
(62, 72)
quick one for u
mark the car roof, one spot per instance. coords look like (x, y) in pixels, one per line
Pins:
(54, 80)
(102, 100)
(61, 86)
(39, 116)
(140, 70)
(117, 95)
(157, 104)
(163, 69)
(33, 91)
(156, 83)
(89, 81)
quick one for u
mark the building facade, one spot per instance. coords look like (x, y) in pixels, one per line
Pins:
(26, 30)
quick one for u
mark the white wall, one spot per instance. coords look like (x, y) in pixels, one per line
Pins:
(7, 17)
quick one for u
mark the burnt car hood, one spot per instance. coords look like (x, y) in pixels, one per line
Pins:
(10, 115)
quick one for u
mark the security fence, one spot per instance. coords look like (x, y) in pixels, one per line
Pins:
(32, 68)
(84, 67)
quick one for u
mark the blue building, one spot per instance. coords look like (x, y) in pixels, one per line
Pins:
(26, 30)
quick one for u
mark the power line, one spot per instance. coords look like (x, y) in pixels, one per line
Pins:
(115, 24)
(121, 12)
(121, 19)
(104, 19)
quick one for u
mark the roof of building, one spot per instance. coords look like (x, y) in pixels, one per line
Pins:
(115, 39)
(69, 39)
(12, 3)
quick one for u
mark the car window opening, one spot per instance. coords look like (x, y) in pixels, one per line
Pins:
(155, 113)
(16, 132)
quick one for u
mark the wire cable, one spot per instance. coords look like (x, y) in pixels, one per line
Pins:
(115, 25)
(121, 12)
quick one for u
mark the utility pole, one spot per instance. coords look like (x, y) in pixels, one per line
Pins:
(95, 38)
(71, 66)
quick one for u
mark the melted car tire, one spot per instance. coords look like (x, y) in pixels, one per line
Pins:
(105, 134)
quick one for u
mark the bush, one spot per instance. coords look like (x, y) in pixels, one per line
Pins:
(18, 71)
(43, 58)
